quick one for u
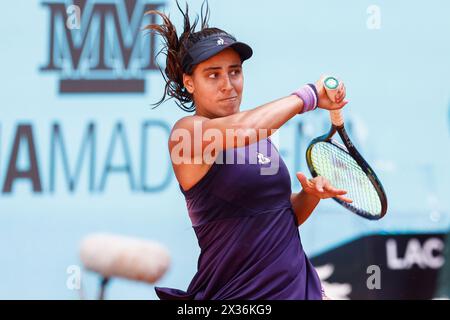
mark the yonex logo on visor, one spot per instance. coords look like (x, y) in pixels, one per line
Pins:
(220, 42)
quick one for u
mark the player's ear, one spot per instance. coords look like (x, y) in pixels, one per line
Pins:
(188, 82)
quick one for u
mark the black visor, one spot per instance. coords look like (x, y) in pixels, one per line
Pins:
(212, 45)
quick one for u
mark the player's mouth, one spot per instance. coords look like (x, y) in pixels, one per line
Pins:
(229, 99)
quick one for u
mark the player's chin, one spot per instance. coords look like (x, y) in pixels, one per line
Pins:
(230, 106)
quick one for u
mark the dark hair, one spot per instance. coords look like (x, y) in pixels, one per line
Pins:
(175, 48)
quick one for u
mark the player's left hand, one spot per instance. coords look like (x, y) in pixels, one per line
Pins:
(321, 188)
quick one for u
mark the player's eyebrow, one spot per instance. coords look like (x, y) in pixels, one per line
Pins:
(236, 66)
(219, 68)
(211, 68)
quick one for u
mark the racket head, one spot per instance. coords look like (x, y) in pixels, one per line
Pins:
(345, 168)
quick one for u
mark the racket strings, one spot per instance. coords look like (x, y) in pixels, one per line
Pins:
(343, 172)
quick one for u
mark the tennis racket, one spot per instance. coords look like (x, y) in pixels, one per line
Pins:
(344, 166)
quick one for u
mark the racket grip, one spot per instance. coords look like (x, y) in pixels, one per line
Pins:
(336, 117)
(331, 85)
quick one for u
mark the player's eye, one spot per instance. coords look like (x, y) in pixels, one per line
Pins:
(235, 72)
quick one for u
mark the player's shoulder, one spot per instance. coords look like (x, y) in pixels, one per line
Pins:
(184, 126)
(188, 122)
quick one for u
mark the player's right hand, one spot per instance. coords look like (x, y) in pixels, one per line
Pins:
(325, 101)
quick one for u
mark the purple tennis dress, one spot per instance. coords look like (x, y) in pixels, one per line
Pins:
(246, 229)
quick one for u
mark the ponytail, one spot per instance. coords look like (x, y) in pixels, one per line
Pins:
(175, 48)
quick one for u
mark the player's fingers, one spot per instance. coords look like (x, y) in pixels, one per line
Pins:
(342, 104)
(342, 90)
(340, 97)
(345, 199)
(337, 106)
(327, 185)
(338, 191)
(340, 93)
(334, 190)
(303, 179)
(320, 182)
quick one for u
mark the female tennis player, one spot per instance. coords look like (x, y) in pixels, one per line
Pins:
(246, 222)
